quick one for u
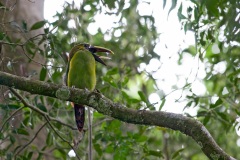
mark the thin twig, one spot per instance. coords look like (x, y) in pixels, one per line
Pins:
(30, 140)
(15, 112)
(89, 134)
(22, 47)
(39, 111)
(43, 65)
(47, 119)
(46, 116)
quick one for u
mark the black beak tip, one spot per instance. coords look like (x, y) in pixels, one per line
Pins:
(98, 59)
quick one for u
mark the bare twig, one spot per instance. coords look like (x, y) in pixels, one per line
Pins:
(15, 112)
(46, 116)
(63, 139)
(36, 134)
(40, 111)
(89, 134)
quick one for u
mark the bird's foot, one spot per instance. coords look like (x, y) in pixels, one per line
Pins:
(78, 139)
(96, 90)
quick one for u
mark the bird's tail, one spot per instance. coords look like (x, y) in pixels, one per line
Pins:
(79, 116)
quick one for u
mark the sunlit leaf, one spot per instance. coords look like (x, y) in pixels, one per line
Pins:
(175, 154)
(162, 104)
(113, 71)
(38, 25)
(174, 4)
(180, 15)
(217, 103)
(142, 96)
(164, 3)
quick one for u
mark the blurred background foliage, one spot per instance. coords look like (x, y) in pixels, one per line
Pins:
(133, 38)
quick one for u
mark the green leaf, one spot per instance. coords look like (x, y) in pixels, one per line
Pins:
(110, 4)
(98, 149)
(142, 96)
(110, 81)
(223, 116)
(217, 103)
(26, 119)
(30, 47)
(12, 139)
(46, 30)
(38, 25)
(40, 155)
(212, 7)
(21, 131)
(112, 71)
(109, 149)
(125, 81)
(134, 100)
(24, 26)
(164, 3)
(42, 107)
(121, 152)
(180, 15)
(43, 74)
(2, 36)
(162, 104)
(60, 154)
(125, 96)
(49, 139)
(191, 50)
(9, 106)
(206, 119)
(9, 156)
(189, 104)
(30, 154)
(140, 138)
(155, 153)
(177, 153)
(202, 113)
(174, 4)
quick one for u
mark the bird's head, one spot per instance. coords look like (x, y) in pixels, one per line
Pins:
(93, 50)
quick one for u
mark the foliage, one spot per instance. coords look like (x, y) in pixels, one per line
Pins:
(216, 27)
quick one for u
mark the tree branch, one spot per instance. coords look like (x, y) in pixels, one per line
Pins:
(186, 125)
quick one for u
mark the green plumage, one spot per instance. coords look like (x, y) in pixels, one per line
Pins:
(81, 74)
(81, 71)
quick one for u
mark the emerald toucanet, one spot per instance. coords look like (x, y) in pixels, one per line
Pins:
(81, 73)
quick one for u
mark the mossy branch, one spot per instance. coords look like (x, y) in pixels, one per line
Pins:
(178, 122)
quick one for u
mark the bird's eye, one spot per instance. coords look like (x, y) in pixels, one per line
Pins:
(86, 46)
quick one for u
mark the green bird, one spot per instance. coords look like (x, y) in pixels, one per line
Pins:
(81, 73)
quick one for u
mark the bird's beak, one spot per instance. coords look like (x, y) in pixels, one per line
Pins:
(95, 49)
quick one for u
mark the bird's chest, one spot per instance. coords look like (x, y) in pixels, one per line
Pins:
(82, 71)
